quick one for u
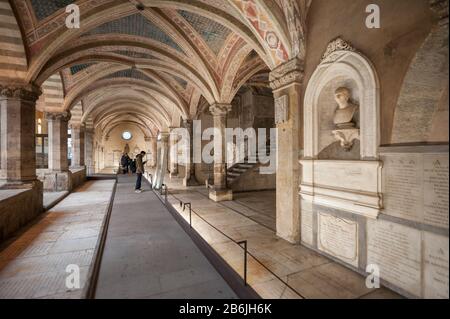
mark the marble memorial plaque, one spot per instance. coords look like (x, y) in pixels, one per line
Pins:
(338, 237)
(395, 249)
(436, 278)
(415, 187)
(435, 185)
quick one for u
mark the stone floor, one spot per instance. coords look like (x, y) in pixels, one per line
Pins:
(148, 255)
(277, 269)
(33, 264)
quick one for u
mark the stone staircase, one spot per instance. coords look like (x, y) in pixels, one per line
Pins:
(235, 172)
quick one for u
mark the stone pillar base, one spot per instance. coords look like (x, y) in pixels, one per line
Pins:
(19, 207)
(293, 239)
(56, 181)
(221, 195)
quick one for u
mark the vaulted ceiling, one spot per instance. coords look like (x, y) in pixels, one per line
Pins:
(151, 59)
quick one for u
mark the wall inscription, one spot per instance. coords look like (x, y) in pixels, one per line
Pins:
(338, 237)
(436, 278)
(396, 250)
(415, 187)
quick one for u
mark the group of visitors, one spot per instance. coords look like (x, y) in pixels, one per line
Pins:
(135, 166)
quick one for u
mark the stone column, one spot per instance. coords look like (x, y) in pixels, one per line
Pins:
(58, 178)
(89, 151)
(18, 144)
(161, 164)
(154, 151)
(58, 124)
(77, 146)
(173, 151)
(189, 178)
(220, 192)
(286, 81)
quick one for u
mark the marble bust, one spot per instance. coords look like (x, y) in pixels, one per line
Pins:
(344, 115)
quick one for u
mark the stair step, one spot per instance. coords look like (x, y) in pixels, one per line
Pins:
(234, 174)
(238, 170)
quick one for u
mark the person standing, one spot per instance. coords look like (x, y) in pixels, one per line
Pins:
(125, 162)
(139, 171)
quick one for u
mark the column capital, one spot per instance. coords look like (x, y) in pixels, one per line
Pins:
(76, 126)
(220, 109)
(28, 92)
(286, 74)
(62, 116)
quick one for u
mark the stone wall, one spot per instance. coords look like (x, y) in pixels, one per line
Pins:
(18, 207)
(114, 145)
(78, 177)
(253, 180)
(405, 25)
(54, 181)
(407, 240)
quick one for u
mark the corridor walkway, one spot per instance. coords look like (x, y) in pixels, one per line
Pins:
(33, 264)
(148, 255)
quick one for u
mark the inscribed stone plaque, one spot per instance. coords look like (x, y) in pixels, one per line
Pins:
(436, 268)
(338, 237)
(395, 249)
(415, 187)
(435, 182)
(307, 223)
(281, 109)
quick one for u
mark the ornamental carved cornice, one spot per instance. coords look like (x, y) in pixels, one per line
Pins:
(60, 116)
(334, 46)
(220, 109)
(28, 92)
(286, 74)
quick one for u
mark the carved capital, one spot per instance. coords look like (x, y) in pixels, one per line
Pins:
(287, 73)
(219, 109)
(62, 116)
(440, 7)
(76, 126)
(334, 46)
(28, 92)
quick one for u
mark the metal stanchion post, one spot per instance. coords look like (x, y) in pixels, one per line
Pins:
(244, 242)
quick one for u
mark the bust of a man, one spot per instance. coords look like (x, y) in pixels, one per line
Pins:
(346, 111)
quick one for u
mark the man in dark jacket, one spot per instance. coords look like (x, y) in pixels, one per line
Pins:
(125, 162)
(139, 171)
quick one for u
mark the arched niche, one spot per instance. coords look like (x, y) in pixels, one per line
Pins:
(341, 62)
(351, 184)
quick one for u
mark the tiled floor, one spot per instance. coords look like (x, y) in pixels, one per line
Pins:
(33, 265)
(280, 270)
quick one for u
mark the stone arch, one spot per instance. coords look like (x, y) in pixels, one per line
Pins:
(14, 59)
(342, 60)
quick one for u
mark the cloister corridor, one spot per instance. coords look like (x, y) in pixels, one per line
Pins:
(224, 150)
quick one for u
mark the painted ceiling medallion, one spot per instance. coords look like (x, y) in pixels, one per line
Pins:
(272, 40)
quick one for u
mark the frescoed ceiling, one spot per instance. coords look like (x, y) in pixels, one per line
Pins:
(162, 54)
